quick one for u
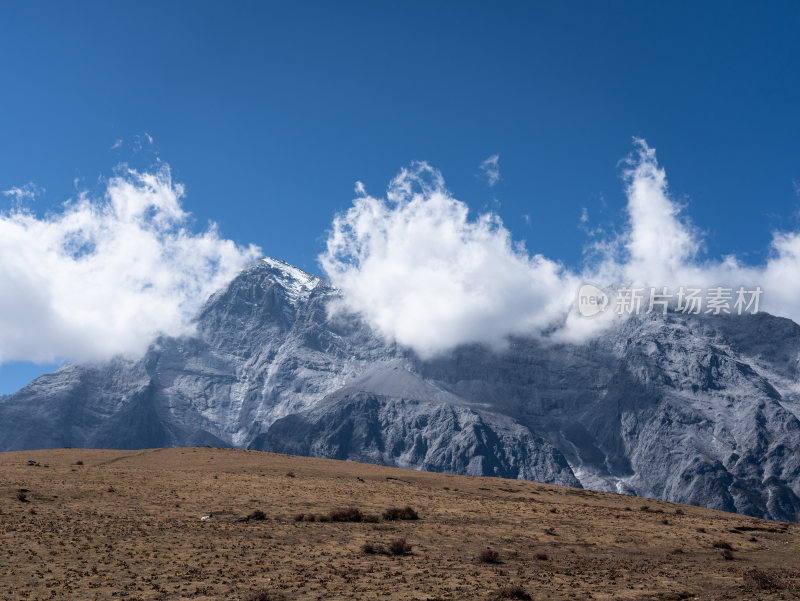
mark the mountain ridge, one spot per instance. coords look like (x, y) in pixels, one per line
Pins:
(694, 409)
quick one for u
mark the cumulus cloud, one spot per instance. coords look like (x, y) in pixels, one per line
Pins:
(103, 276)
(425, 273)
(490, 168)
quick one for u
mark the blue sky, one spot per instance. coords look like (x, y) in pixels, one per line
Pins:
(268, 113)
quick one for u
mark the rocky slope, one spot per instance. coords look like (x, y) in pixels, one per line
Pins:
(695, 409)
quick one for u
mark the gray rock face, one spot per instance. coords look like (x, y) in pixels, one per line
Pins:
(695, 409)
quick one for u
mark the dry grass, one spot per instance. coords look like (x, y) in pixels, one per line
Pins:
(145, 540)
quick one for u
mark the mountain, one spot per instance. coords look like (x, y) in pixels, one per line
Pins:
(688, 408)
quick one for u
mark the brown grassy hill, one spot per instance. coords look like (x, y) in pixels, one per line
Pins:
(85, 525)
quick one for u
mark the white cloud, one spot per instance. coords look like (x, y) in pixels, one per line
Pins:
(105, 275)
(491, 169)
(426, 274)
(20, 194)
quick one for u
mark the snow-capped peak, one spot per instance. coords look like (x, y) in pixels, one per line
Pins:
(297, 283)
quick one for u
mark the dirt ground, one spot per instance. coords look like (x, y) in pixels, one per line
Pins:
(127, 524)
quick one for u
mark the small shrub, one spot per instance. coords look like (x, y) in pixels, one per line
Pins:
(721, 544)
(310, 517)
(79, 462)
(399, 546)
(299, 517)
(727, 555)
(541, 556)
(351, 514)
(22, 497)
(644, 508)
(701, 530)
(665, 521)
(759, 579)
(371, 518)
(396, 513)
(489, 556)
(553, 510)
(513, 592)
(373, 549)
(257, 515)
(264, 595)
(290, 474)
(679, 511)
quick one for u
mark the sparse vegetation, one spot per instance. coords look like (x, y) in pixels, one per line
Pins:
(727, 555)
(489, 555)
(22, 497)
(721, 544)
(147, 541)
(79, 462)
(257, 515)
